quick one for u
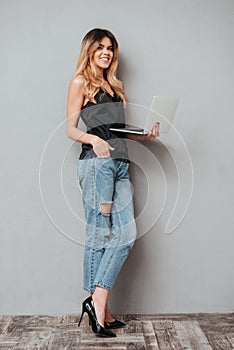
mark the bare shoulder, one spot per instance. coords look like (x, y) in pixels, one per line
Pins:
(77, 83)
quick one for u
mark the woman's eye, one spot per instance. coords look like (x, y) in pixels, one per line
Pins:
(100, 47)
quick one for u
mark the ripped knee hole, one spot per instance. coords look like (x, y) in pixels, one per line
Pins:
(105, 208)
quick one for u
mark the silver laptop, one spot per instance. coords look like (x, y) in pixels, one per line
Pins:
(162, 110)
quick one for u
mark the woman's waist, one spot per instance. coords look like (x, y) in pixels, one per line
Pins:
(119, 144)
(119, 151)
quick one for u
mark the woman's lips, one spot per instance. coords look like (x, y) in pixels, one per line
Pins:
(105, 59)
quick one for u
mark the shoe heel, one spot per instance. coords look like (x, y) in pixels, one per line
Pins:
(82, 314)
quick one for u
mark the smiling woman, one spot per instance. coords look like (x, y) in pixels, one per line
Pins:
(97, 96)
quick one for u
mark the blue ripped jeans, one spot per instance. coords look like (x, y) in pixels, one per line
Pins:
(109, 237)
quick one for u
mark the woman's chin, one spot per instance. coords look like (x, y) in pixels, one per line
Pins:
(103, 65)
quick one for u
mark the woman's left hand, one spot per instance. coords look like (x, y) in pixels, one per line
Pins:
(153, 134)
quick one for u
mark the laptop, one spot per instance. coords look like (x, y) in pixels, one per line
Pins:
(162, 110)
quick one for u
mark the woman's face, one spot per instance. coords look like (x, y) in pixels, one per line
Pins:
(103, 55)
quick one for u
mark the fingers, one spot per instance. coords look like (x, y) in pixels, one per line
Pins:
(154, 132)
(106, 154)
(102, 154)
(102, 149)
(156, 126)
(156, 129)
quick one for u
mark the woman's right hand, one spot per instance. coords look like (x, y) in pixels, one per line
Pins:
(101, 147)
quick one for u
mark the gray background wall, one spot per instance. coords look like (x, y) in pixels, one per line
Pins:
(182, 47)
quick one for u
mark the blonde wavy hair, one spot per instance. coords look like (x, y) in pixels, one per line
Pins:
(87, 68)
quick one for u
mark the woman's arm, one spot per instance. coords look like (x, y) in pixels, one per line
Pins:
(76, 96)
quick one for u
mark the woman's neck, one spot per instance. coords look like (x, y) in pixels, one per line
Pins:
(100, 73)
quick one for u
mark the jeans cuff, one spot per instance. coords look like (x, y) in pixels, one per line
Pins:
(103, 285)
(90, 290)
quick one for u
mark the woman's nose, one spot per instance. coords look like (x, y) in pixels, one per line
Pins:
(105, 51)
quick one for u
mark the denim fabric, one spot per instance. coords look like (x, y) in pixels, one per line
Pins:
(109, 237)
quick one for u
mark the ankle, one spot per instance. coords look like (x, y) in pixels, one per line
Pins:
(99, 311)
(96, 300)
(99, 301)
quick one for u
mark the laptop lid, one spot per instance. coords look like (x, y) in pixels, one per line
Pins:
(163, 110)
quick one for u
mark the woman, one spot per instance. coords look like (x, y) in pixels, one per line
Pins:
(97, 96)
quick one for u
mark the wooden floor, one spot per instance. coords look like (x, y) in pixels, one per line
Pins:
(164, 332)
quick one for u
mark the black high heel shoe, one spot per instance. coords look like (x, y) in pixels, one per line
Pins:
(96, 327)
(115, 324)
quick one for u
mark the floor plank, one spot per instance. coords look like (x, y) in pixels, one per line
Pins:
(166, 335)
(150, 337)
(221, 342)
(191, 336)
